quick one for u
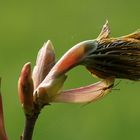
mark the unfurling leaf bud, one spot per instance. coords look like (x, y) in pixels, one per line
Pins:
(25, 89)
(45, 61)
(53, 82)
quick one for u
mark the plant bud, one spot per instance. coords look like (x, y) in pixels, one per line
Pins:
(45, 61)
(25, 89)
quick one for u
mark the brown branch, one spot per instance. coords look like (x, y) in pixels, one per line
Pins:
(29, 127)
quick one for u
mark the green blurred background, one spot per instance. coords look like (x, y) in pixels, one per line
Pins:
(26, 25)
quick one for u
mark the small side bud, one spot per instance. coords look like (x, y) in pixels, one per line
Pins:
(25, 88)
(45, 61)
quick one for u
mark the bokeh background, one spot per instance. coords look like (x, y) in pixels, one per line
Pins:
(26, 25)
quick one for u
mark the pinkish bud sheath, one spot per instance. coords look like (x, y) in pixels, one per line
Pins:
(45, 61)
(25, 88)
(85, 94)
(2, 127)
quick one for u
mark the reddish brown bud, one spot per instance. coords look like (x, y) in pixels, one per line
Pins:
(25, 88)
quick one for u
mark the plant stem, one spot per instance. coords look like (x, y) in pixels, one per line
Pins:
(3, 135)
(29, 127)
